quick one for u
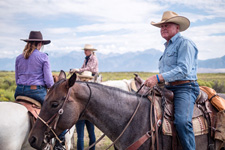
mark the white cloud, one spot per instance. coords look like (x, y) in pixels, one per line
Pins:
(209, 39)
(111, 26)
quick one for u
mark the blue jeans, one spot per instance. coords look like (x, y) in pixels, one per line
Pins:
(37, 94)
(184, 99)
(80, 134)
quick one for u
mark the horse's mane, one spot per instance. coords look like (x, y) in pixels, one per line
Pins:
(94, 84)
(111, 88)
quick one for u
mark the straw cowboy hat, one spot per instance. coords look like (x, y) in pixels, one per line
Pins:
(170, 16)
(86, 74)
(36, 36)
(89, 47)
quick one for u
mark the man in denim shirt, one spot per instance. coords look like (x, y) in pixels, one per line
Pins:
(178, 67)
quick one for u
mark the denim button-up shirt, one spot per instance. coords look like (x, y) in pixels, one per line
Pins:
(179, 60)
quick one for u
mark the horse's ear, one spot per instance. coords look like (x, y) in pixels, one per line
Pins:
(62, 75)
(71, 80)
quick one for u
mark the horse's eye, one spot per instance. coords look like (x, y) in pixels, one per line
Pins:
(55, 104)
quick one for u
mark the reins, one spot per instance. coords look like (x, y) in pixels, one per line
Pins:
(130, 120)
(54, 119)
(149, 134)
(82, 113)
(132, 117)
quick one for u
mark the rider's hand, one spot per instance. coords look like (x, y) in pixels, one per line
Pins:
(151, 81)
(74, 70)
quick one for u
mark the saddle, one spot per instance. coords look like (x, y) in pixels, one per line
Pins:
(204, 115)
(33, 107)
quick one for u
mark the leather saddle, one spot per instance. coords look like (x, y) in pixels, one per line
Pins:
(165, 108)
(33, 107)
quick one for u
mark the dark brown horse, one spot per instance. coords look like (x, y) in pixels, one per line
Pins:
(110, 109)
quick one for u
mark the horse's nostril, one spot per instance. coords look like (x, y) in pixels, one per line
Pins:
(32, 140)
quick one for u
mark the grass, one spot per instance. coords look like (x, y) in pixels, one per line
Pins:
(213, 80)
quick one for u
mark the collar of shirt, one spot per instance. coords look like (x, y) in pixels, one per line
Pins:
(174, 38)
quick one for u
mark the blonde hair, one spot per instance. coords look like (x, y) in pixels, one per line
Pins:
(29, 48)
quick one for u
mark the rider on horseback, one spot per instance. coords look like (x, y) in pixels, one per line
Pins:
(32, 69)
(178, 67)
(88, 69)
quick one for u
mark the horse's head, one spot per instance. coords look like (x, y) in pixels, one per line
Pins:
(60, 111)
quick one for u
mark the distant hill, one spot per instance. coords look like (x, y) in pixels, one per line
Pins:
(133, 61)
(216, 63)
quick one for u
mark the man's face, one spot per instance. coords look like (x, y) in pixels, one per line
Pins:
(168, 30)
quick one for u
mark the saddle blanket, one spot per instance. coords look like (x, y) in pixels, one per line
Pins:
(200, 126)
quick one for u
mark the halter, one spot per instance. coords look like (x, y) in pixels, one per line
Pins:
(54, 119)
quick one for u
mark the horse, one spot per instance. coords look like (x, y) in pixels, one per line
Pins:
(15, 126)
(123, 116)
(122, 84)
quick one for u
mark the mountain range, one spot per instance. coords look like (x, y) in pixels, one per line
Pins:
(146, 61)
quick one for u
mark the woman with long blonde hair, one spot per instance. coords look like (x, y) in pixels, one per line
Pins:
(32, 69)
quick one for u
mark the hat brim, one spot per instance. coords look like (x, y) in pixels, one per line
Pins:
(45, 42)
(84, 76)
(92, 49)
(183, 22)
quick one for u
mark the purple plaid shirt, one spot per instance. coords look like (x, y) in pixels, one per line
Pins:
(33, 71)
(92, 65)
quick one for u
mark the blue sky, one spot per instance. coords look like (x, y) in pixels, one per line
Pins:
(112, 26)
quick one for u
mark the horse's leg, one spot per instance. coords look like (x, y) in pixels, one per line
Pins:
(68, 138)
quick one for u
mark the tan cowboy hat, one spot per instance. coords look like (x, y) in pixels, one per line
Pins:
(89, 47)
(36, 36)
(86, 74)
(170, 16)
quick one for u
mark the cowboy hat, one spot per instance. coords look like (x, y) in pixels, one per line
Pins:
(89, 47)
(36, 36)
(86, 74)
(170, 16)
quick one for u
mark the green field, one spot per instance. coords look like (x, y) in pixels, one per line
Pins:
(8, 86)
(213, 80)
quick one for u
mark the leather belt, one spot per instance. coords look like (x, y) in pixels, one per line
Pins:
(33, 87)
(180, 82)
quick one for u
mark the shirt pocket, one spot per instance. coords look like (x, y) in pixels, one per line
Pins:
(171, 58)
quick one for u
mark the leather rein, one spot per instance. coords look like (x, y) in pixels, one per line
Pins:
(53, 121)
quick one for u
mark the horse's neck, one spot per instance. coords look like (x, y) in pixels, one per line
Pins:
(110, 110)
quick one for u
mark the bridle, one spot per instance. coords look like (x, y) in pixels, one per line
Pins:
(53, 121)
